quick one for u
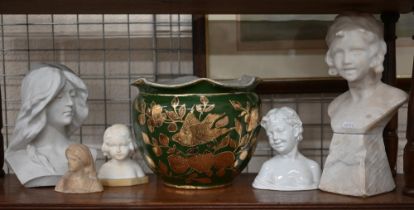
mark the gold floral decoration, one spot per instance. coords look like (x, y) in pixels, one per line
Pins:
(195, 132)
(199, 126)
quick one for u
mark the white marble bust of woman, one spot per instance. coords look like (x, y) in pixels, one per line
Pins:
(357, 163)
(120, 170)
(53, 107)
(289, 170)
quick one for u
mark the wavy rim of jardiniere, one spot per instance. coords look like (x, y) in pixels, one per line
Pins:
(245, 81)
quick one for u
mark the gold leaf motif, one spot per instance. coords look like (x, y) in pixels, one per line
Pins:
(150, 162)
(243, 113)
(222, 122)
(137, 105)
(243, 155)
(157, 116)
(142, 106)
(233, 144)
(209, 108)
(175, 102)
(182, 111)
(253, 140)
(204, 100)
(236, 105)
(253, 119)
(172, 115)
(141, 119)
(193, 132)
(157, 150)
(246, 119)
(154, 141)
(239, 127)
(171, 150)
(178, 164)
(150, 124)
(172, 127)
(226, 140)
(236, 164)
(145, 138)
(199, 108)
(164, 140)
(244, 140)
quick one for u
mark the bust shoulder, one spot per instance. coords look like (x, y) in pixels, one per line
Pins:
(365, 114)
(335, 104)
(391, 96)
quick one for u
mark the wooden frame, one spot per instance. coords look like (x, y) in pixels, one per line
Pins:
(298, 36)
(202, 6)
(389, 9)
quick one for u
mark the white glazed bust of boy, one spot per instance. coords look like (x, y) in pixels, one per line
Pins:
(121, 170)
(289, 170)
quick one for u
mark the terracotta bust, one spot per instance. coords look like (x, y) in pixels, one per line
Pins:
(289, 170)
(121, 170)
(81, 176)
(357, 163)
(53, 107)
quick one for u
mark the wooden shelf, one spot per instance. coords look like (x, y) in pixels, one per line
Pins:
(155, 195)
(202, 6)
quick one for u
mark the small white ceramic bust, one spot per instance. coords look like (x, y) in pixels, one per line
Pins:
(289, 170)
(81, 174)
(121, 170)
(53, 107)
(357, 163)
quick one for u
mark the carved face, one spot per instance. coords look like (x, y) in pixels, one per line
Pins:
(281, 136)
(60, 110)
(352, 55)
(74, 163)
(118, 147)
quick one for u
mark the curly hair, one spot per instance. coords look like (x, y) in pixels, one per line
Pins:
(287, 114)
(370, 28)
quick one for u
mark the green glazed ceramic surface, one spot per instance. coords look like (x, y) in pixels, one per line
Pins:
(197, 134)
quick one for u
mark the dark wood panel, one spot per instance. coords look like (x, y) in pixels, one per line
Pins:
(323, 85)
(199, 46)
(240, 195)
(409, 147)
(202, 6)
(389, 76)
(2, 173)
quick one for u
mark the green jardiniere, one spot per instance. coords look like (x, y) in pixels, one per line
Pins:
(197, 134)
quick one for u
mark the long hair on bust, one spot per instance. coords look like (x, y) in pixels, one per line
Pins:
(39, 87)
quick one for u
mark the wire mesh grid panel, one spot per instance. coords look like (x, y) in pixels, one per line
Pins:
(107, 52)
(110, 51)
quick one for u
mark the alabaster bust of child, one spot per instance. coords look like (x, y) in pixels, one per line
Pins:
(289, 170)
(357, 164)
(120, 170)
(53, 106)
(81, 176)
